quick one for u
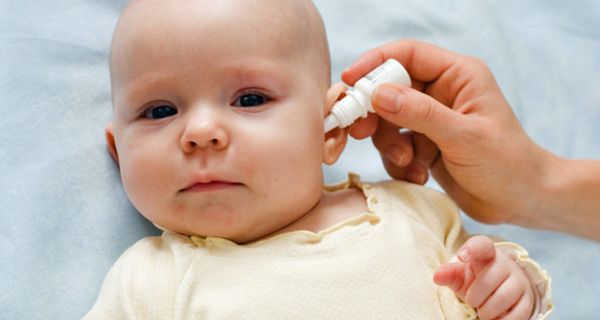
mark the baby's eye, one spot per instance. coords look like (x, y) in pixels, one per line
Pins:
(160, 111)
(250, 100)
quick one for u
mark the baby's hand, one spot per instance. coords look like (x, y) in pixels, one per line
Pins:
(488, 280)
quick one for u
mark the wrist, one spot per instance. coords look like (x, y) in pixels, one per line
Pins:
(536, 183)
(566, 197)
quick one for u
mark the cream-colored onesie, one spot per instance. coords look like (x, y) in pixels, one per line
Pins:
(378, 265)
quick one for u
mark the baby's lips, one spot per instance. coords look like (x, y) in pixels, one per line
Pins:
(210, 186)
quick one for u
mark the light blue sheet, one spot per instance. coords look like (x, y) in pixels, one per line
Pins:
(64, 218)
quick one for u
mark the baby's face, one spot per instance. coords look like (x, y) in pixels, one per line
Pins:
(218, 121)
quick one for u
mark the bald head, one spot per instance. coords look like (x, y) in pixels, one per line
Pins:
(290, 27)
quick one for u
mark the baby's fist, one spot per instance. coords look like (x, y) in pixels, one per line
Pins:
(488, 280)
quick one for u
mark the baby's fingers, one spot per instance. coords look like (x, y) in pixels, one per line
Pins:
(478, 251)
(506, 297)
(487, 281)
(452, 275)
(522, 310)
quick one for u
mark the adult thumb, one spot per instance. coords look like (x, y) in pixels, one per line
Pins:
(412, 109)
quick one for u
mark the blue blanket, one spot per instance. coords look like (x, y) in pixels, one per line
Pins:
(65, 218)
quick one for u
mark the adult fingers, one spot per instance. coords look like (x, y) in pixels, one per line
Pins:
(335, 93)
(413, 172)
(424, 62)
(397, 151)
(395, 146)
(426, 152)
(408, 108)
(409, 154)
(364, 127)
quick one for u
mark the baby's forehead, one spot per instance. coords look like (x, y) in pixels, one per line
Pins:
(280, 27)
(274, 23)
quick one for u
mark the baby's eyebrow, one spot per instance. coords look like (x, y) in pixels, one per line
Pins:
(276, 78)
(143, 84)
(250, 72)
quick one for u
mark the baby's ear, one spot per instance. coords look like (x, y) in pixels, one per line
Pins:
(335, 140)
(110, 142)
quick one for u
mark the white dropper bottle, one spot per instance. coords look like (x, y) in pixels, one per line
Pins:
(357, 102)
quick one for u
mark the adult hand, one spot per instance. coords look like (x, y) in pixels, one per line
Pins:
(463, 130)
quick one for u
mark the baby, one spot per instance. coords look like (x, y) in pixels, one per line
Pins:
(218, 133)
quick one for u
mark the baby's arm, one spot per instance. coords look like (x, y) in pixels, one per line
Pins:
(489, 280)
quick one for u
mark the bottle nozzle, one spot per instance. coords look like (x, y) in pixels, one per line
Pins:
(331, 122)
(344, 112)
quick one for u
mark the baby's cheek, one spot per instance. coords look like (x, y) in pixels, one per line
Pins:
(139, 180)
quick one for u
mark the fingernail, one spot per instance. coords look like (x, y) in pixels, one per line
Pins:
(396, 154)
(388, 99)
(416, 177)
(464, 254)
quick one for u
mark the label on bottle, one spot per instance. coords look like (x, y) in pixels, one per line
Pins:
(378, 72)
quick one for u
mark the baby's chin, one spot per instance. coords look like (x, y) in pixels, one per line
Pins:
(240, 234)
(241, 223)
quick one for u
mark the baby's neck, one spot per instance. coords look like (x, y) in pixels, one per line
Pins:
(332, 208)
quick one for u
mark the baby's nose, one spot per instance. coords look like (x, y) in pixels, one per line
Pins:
(205, 133)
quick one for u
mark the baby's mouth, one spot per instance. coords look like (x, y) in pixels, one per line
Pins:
(211, 186)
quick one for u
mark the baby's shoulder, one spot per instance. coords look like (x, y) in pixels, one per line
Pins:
(413, 195)
(424, 205)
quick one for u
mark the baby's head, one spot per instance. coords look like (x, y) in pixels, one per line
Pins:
(218, 113)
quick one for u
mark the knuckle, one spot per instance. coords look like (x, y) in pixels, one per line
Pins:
(425, 111)
(477, 63)
(471, 68)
